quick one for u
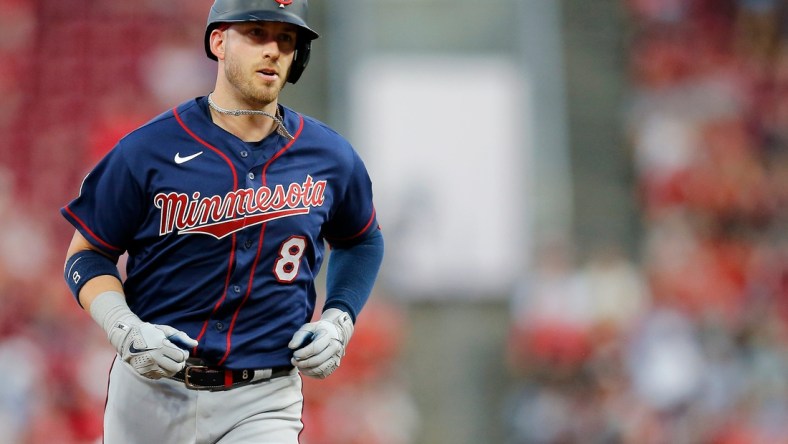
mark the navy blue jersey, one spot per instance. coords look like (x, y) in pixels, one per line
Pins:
(225, 237)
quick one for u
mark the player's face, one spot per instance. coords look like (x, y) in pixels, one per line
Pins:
(257, 59)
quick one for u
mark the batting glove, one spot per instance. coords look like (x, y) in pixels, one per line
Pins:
(329, 338)
(149, 349)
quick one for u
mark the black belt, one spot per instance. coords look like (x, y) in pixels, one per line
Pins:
(201, 377)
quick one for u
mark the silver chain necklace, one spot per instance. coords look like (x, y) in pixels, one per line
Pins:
(280, 125)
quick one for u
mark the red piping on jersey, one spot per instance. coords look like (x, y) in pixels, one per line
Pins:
(232, 246)
(259, 243)
(89, 231)
(207, 145)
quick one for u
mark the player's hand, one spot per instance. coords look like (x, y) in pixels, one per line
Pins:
(151, 349)
(329, 338)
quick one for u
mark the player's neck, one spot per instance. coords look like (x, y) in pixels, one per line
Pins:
(249, 128)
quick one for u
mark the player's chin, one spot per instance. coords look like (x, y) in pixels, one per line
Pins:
(265, 94)
(270, 89)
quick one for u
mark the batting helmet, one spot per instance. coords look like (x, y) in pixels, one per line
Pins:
(286, 11)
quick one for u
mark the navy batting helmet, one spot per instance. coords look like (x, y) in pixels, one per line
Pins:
(286, 11)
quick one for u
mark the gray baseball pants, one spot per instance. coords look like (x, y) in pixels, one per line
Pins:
(164, 411)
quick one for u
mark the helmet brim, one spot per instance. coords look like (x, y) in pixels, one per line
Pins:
(304, 32)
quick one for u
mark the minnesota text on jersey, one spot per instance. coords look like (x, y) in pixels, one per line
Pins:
(220, 216)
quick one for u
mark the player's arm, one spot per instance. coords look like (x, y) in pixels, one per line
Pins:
(351, 274)
(91, 286)
(95, 282)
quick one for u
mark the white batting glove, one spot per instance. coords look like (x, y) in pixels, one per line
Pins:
(329, 338)
(149, 349)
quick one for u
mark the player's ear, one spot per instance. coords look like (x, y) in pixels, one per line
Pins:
(217, 42)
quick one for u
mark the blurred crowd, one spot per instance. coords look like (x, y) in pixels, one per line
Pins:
(72, 81)
(688, 341)
(76, 76)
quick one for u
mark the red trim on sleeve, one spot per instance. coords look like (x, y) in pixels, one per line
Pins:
(89, 231)
(363, 230)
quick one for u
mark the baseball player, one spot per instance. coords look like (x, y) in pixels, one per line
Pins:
(224, 204)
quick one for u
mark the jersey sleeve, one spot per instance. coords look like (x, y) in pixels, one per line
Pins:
(109, 206)
(355, 215)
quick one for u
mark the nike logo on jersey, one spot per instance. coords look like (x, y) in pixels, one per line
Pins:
(179, 160)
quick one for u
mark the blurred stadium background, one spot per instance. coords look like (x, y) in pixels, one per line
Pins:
(584, 205)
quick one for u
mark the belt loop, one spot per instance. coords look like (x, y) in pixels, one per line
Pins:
(228, 378)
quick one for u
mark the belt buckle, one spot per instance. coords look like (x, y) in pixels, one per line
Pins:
(188, 383)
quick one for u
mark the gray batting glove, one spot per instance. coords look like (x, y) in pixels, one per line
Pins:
(149, 349)
(329, 338)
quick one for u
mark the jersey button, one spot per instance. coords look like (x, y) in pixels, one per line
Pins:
(237, 288)
(244, 154)
(248, 244)
(251, 176)
(219, 326)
